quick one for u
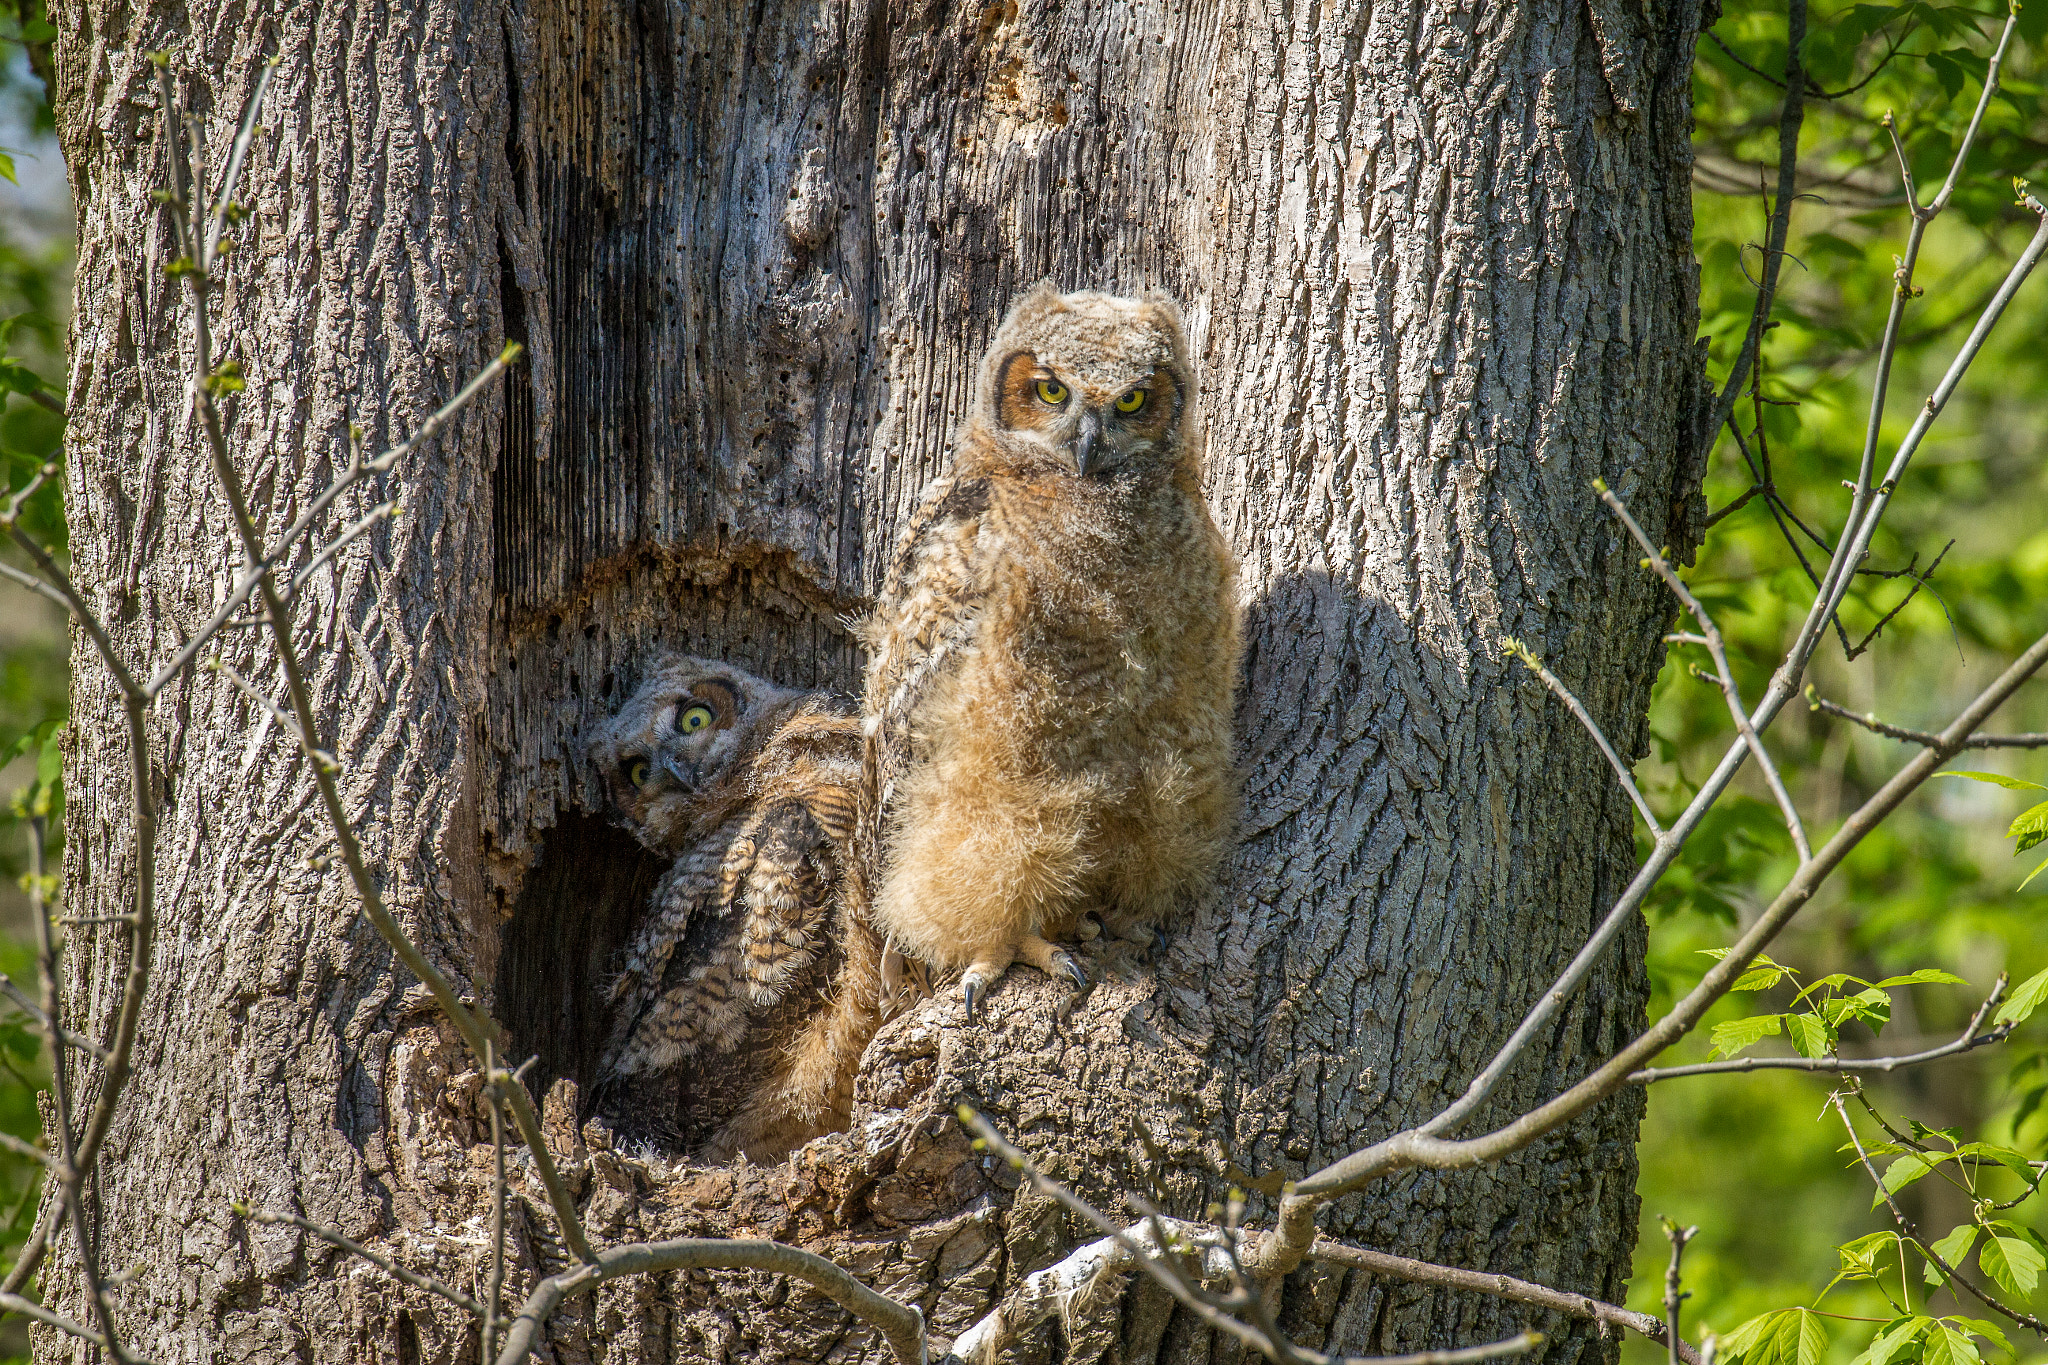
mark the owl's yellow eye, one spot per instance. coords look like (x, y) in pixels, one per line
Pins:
(1052, 391)
(694, 719)
(1131, 401)
(637, 772)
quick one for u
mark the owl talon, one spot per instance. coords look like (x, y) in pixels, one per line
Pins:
(1064, 965)
(971, 988)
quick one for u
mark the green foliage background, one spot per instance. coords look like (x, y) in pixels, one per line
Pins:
(1753, 1160)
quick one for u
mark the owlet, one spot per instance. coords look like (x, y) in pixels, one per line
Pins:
(746, 995)
(1054, 653)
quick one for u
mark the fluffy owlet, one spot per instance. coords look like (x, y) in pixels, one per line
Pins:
(747, 994)
(1053, 657)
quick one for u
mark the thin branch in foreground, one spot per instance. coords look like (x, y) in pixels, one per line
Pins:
(1283, 1248)
(29, 1308)
(1500, 1287)
(1870, 722)
(336, 1238)
(1572, 703)
(69, 1193)
(1790, 119)
(19, 999)
(1520, 1344)
(1138, 1247)
(901, 1325)
(1674, 1291)
(495, 1287)
(1906, 1230)
(1662, 568)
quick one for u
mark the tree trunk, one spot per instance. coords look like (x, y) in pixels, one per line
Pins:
(1435, 262)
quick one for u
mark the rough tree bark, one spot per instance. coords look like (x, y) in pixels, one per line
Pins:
(1435, 258)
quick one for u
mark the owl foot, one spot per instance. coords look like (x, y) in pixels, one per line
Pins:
(982, 975)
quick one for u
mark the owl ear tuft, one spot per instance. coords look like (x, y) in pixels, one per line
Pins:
(1041, 298)
(1163, 306)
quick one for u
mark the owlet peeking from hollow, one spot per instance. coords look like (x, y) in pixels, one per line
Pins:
(1053, 656)
(748, 992)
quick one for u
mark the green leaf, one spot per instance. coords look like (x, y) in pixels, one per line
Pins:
(1737, 1034)
(1951, 77)
(1901, 1173)
(1926, 976)
(1831, 981)
(2015, 1162)
(7, 169)
(2025, 1000)
(1812, 1037)
(1952, 1248)
(2030, 827)
(1892, 1339)
(1758, 979)
(1859, 1258)
(1990, 1331)
(1947, 1346)
(2014, 1262)
(2031, 875)
(1744, 1342)
(1813, 1338)
(2017, 784)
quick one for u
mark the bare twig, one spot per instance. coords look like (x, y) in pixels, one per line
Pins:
(1712, 634)
(1968, 1041)
(495, 1287)
(1498, 1286)
(1572, 703)
(1906, 1230)
(901, 1325)
(1869, 721)
(29, 1308)
(474, 1030)
(337, 1238)
(358, 469)
(340, 543)
(1281, 1250)
(1789, 122)
(277, 716)
(1920, 580)
(19, 999)
(1674, 1292)
(60, 1092)
(35, 585)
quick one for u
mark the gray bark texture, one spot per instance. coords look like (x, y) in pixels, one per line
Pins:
(1435, 259)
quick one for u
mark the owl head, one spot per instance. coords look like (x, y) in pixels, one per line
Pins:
(660, 756)
(1097, 384)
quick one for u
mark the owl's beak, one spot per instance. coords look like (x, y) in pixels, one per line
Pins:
(1084, 443)
(685, 779)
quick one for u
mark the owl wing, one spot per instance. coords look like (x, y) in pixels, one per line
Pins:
(666, 1005)
(785, 899)
(929, 615)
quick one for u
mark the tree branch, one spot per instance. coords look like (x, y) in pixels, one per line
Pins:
(1712, 634)
(1869, 721)
(1906, 1230)
(1563, 694)
(1789, 121)
(74, 1170)
(336, 1238)
(1500, 1287)
(1281, 1250)
(901, 1325)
